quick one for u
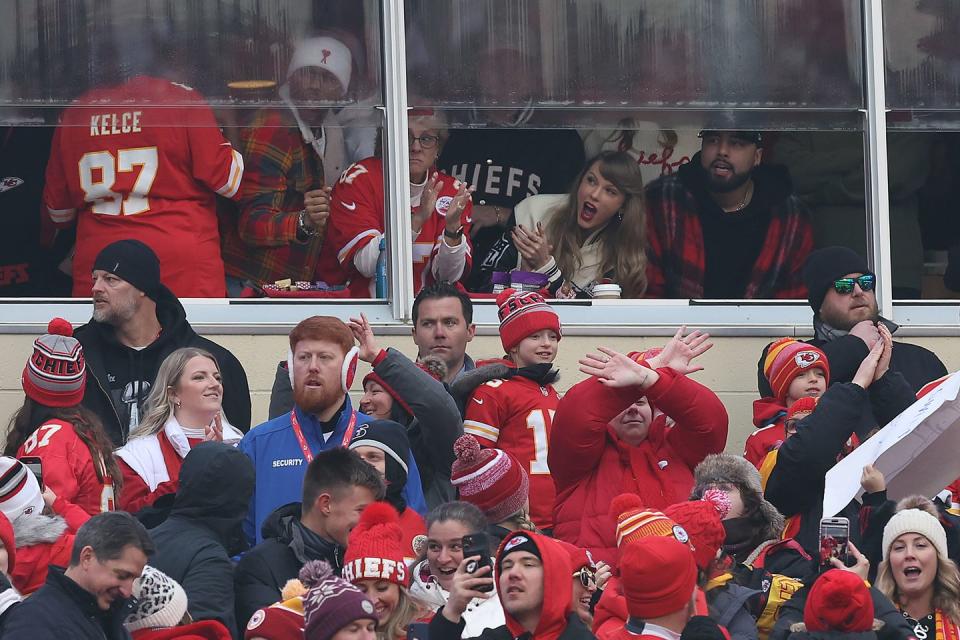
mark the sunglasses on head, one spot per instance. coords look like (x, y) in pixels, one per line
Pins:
(845, 285)
(587, 576)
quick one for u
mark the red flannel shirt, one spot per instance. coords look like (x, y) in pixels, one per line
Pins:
(262, 245)
(676, 259)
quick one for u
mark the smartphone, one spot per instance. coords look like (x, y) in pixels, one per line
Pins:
(478, 544)
(418, 631)
(834, 536)
(36, 466)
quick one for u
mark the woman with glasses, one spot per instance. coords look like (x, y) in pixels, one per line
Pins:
(589, 579)
(439, 218)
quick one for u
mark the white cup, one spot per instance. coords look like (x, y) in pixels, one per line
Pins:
(606, 291)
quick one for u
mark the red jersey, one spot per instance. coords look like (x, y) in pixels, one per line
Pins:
(143, 160)
(516, 415)
(136, 494)
(763, 441)
(357, 218)
(69, 468)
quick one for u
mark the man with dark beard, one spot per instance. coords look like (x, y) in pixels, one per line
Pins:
(726, 226)
(322, 363)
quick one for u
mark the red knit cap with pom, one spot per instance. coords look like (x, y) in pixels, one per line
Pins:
(839, 601)
(491, 479)
(523, 313)
(703, 521)
(375, 547)
(634, 522)
(55, 375)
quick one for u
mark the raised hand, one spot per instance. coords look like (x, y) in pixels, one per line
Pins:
(214, 431)
(867, 372)
(454, 217)
(680, 351)
(363, 332)
(428, 202)
(463, 588)
(614, 369)
(532, 246)
(883, 365)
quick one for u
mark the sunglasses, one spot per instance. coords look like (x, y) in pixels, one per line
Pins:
(587, 577)
(845, 285)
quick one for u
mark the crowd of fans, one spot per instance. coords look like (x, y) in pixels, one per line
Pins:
(461, 498)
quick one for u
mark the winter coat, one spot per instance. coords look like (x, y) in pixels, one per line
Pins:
(793, 476)
(895, 626)
(768, 417)
(728, 608)
(43, 541)
(557, 619)
(264, 570)
(591, 466)
(203, 630)
(196, 542)
(480, 614)
(62, 609)
(100, 345)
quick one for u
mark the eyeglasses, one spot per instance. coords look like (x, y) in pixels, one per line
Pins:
(587, 577)
(427, 142)
(844, 286)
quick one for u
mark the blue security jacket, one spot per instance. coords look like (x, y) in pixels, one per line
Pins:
(280, 465)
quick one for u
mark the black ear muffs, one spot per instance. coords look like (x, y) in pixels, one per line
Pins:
(348, 372)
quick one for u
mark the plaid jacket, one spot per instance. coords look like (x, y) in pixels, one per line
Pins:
(261, 242)
(676, 259)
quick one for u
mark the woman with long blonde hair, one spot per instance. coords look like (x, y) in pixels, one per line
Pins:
(917, 574)
(182, 410)
(597, 235)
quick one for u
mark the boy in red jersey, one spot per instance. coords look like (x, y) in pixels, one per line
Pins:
(515, 413)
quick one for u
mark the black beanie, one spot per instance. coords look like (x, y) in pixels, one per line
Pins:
(134, 262)
(825, 265)
(518, 541)
(391, 438)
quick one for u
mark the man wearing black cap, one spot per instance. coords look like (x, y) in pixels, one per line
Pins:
(841, 290)
(137, 322)
(726, 226)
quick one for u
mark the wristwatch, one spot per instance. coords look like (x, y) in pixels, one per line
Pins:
(303, 227)
(455, 234)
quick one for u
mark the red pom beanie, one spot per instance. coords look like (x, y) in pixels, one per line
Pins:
(490, 479)
(786, 359)
(658, 576)
(375, 547)
(839, 601)
(703, 521)
(634, 522)
(522, 313)
(55, 375)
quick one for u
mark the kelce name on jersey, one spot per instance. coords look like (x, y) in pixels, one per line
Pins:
(107, 124)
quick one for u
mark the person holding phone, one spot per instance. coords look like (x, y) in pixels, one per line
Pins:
(184, 408)
(450, 532)
(63, 439)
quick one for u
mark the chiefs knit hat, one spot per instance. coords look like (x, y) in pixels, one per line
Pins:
(9, 541)
(634, 522)
(823, 266)
(703, 521)
(788, 358)
(838, 601)
(161, 601)
(326, 53)
(331, 603)
(915, 521)
(522, 313)
(658, 576)
(518, 541)
(55, 375)
(375, 547)
(724, 468)
(20, 493)
(133, 261)
(490, 479)
(805, 404)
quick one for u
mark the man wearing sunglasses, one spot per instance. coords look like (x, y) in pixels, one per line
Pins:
(841, 290)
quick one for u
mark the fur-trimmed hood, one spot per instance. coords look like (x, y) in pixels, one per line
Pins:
(720, 468)
(487, 370)
(38, 529)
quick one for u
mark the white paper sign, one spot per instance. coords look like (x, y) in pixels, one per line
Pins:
(918, 452)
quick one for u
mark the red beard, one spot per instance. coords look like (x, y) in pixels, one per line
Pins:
(316, 400)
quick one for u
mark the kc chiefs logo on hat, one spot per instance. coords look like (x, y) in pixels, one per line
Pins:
(515, 542)
(806, 358)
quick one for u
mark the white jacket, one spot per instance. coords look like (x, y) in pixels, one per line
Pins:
(480, 614)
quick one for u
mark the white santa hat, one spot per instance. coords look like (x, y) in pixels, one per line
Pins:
(19, 490)
(326, 53)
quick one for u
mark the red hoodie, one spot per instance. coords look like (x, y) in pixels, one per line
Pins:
(768, 417)
(557, 591)
(202, 630)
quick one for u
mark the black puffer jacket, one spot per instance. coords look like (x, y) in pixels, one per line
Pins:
(203, 531)
(104, 353)
(287, 545)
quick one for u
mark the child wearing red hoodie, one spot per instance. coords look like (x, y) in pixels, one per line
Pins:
(794, 370)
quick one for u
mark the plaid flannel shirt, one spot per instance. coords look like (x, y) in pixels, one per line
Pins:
(262, 245)
(676, 259)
